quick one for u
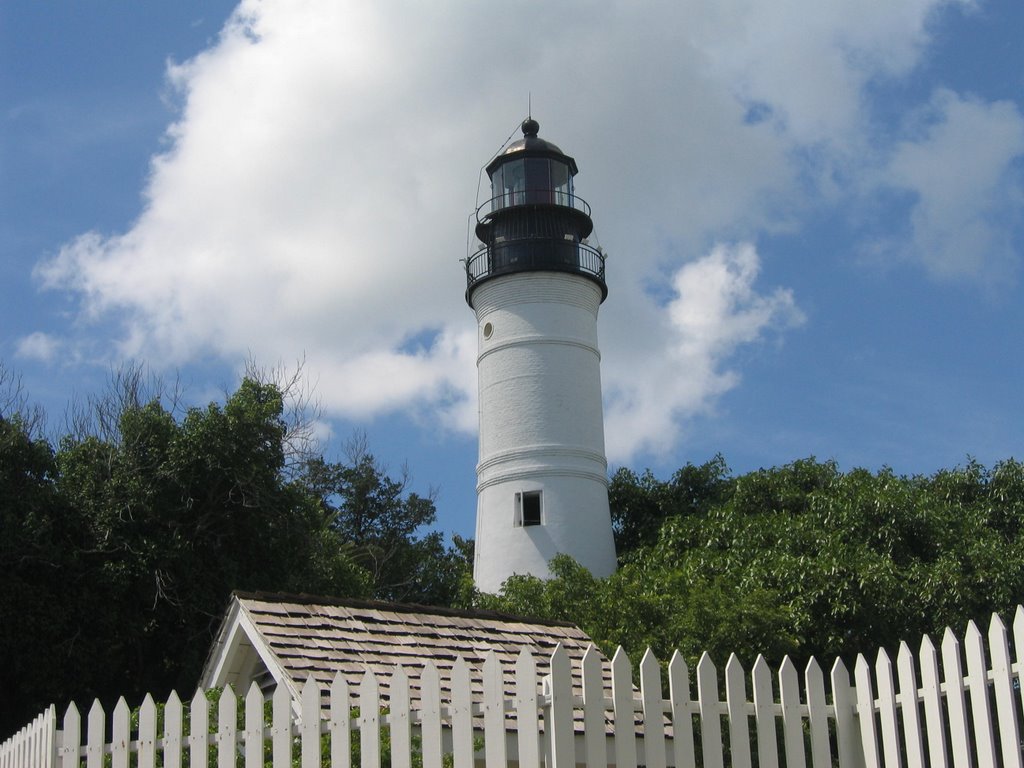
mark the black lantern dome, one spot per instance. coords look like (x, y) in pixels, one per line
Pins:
(533, 222)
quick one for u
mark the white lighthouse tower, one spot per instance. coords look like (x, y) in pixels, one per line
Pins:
(536, 287)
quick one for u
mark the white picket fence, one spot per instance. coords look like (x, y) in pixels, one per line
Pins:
(919, 716)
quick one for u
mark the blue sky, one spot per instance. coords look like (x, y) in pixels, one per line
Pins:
(814, 212)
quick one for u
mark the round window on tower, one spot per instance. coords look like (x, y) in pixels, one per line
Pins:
(488, 330)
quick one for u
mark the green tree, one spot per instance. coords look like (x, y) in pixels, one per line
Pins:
(387, 524)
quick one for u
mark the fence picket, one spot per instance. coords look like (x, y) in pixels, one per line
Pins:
(710, 719)
(884, 716)
(654, 726)
(173, 720)
(430, 715)
(199, 731)
(909, 707)
(866, 713)
(847, 727)
(341, 728)
(147, 733)
(71, 745)
(462, 714)
(1002, 680)
(400, 723)
(592, 680)
(121, 721)
(625, 723)
(931, 692)
(736, 702)
(310, 728)
(253, 727)
(817, 715)
(682, 715)
(495, 752)
(792, 724)
(96, 726)
(977, 683)
(527, 712)
(1018, 645)
(369, 721)
(888, 725)
(956, 706)
(281, 727)
(560, 731)
(227, 728)
(764, 715)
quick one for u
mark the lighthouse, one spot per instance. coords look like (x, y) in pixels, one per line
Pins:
(536, 287)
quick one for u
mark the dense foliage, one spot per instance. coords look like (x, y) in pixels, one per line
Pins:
(120, 546)
(802, 560)
(121, 541)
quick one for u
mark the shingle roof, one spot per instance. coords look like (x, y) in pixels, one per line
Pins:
(320, 636)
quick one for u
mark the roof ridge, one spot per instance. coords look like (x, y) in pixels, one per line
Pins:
(303, 598)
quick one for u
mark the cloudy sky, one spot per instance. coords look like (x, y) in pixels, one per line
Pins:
(813, 210)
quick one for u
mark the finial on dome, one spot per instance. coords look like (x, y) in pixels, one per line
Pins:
(530, 127)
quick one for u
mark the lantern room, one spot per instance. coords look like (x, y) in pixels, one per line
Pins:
(533, 220)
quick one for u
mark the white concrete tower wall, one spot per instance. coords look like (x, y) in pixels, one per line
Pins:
(541, 428)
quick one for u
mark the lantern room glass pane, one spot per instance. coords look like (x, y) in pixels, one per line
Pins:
(513, 183)
(561, 183)
(538, 180)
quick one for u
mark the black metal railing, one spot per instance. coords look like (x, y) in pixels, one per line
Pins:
(532, 197)
(535, 254)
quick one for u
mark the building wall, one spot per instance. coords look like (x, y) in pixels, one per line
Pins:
(541, 426)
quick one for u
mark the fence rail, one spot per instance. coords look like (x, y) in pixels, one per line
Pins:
(924, 711)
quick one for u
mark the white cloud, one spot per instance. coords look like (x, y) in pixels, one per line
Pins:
(959, 169)
(714, 310)
(313, 195)
(39, 346)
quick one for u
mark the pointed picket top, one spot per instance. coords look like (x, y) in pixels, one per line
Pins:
(764, 713)
(622, 697)
(1002, 685)
(561, 734)
(369, 719)
(887, 717)
(977, 675)
(281, 726)
(654, 725)
(527, 717)
(147, 733)
(1018, 644)
(592, 681)
(72, 726)
(309, 728)
(736, 703)
(227, 728)
(866, 712)
(399, 719)
(817, 714)
(253, 725)
(905, 673)
(956, 705)
(173, 732)
(461, 709)
(710, 719)
(844, 704)
(199, 729)
(341, 725)
(430, 714)
(493, 684)
(119, 745)
(792, 723)
(931, 693)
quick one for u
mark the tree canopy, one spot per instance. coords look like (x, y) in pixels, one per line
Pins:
(802, 559)
(120, 547)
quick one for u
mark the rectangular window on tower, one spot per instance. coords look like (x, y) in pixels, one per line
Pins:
(528, 511)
